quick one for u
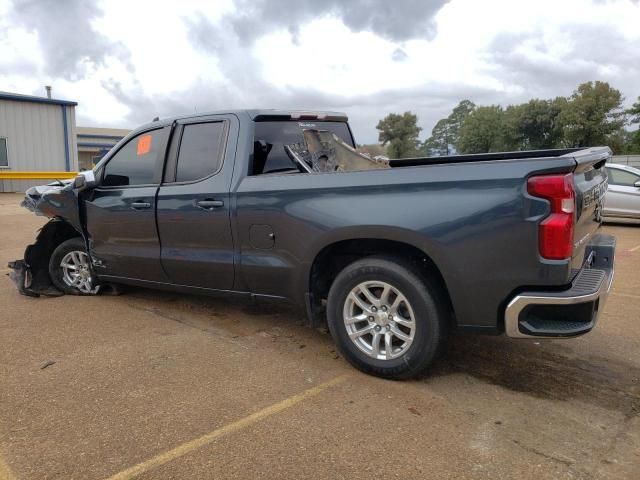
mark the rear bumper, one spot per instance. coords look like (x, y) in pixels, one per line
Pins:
(570, 312)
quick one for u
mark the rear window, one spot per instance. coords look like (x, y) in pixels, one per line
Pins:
(271, 137)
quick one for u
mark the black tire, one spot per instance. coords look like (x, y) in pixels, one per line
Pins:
(55, 269)
(426, 298)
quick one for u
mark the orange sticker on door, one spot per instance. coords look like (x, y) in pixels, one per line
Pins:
(144, 144)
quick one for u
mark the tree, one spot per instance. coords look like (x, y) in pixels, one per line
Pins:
(439, 141)
(482, 131)
(593, 115)
(632, 143)
(634, 112)
(400, 132)
(533, 125)
(446, 133)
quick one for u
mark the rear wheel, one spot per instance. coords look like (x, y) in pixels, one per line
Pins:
(385, 318)
(69, 268)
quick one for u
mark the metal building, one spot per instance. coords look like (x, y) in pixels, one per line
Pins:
(94, 143)
(37, 140)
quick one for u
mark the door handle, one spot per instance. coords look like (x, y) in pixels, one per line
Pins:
(210, 204)
(140, 205)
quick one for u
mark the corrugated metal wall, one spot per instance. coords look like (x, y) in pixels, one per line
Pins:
(35, 139)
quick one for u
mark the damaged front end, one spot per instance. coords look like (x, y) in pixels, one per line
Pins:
(58, 201)
(31, 274)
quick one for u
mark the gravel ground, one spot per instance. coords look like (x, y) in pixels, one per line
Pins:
(160, 385)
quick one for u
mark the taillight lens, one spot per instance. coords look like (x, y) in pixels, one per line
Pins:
(555, 233)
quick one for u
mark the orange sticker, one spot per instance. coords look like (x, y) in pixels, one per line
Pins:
(144, 145)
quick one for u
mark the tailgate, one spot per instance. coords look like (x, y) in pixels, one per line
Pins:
(590, 180)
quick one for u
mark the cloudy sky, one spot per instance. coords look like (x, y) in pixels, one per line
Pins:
(126, 61)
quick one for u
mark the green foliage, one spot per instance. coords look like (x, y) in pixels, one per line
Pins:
(399, 133)
(482, 131)
(634, 112)
(533, 125)
(592, 116)
(439, 141)
(447, 130)
(632, 143)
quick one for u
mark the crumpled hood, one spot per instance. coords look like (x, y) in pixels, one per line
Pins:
(55, 200)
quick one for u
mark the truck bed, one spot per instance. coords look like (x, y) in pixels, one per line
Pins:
(480, 157)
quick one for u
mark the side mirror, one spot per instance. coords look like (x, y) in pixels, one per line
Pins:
(85, 180)
(637, 184)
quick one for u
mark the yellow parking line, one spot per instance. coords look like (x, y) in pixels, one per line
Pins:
(637, 247)
(208, 438)
(5, 471)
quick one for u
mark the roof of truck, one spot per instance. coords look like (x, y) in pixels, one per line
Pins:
(258, 115)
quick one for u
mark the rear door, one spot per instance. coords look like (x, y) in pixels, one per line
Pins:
(193, 210)
(120, 212)
(623, 197)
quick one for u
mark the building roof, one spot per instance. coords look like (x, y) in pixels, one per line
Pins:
(16, 97)
(100, 132)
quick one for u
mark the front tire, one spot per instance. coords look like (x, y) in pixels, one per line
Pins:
(386, 319)
(69, 269)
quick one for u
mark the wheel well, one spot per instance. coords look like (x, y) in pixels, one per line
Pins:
(54, 233)
(37, 255)
(335, 257)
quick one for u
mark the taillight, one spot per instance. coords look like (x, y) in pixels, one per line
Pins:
(555, 233)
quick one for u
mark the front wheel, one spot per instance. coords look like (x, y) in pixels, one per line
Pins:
(69, 269)
(387, 320)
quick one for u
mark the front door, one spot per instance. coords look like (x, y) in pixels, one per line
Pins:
(120, 212)
(194, 204)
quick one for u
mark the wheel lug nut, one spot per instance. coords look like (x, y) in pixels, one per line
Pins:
(377, 328)
(371, 319)
(374, 309)
(384, 308)
(388, 327)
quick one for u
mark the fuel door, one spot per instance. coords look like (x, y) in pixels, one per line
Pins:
(261, 236)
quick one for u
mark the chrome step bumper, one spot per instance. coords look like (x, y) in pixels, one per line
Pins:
(570, 312)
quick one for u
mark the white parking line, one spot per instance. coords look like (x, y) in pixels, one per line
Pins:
(637, 247)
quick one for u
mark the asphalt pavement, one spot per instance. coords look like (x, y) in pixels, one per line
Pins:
(160, 385)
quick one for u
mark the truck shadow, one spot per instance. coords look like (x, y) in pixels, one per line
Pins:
(547, 370)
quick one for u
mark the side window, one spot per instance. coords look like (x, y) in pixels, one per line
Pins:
(621, 177)
(4, 157)
(135, 162)
(200, 153)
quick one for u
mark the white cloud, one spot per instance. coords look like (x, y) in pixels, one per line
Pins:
(149, 58)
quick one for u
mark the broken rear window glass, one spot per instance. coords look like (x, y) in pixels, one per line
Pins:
(271, 137)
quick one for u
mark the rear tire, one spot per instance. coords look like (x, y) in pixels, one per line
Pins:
(386, 319)
(69, 269)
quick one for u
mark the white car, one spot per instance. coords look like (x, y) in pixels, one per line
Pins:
(623, 195)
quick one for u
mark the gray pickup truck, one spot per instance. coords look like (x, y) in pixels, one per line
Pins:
(393, 255)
